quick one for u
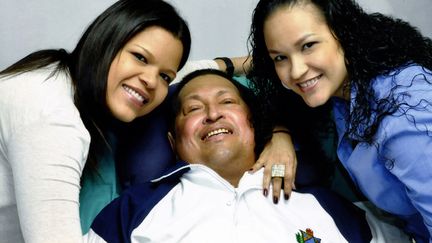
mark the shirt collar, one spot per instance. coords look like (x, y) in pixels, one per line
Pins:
(248, 180)
(341, 111)
(175, 171)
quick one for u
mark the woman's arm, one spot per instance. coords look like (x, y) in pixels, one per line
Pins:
(279, 150)
(241, 65)
(412, 165)
(47, 147)
(47, 161)
(191, 66)
(406, 139)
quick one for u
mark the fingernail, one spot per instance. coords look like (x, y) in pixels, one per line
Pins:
(275, 200)
(286, 196)
(265, 192)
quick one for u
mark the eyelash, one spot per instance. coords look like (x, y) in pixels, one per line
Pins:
(197, 107)
(278, 58)
(304, 48)
(192, 109)
(308, 45)
(228, 101)
(140, 57)
(165, 77)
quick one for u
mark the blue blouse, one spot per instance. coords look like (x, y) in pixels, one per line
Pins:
(404, 187)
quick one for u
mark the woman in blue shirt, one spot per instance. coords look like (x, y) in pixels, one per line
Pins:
(371, 75)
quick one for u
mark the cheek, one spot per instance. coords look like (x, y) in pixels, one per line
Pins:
(247, 126)
(111, 78)
(280, 73)
(114, 69)
(110, 89)
(185, 139)
(333, 57)
(113, 81)
(341, 62)
(338, 68)
(283, 76)
(249, 135)
(185, 128)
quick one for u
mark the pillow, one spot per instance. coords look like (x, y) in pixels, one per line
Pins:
(144, 152)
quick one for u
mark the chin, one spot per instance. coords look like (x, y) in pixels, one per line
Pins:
(315, 102)
(126, 120)
(125, 117)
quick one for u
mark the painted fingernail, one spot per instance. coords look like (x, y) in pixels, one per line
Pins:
(286, 196)
(275, 200)
(265, 192)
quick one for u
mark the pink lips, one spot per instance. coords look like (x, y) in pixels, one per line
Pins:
(309, 84)
(137, 96)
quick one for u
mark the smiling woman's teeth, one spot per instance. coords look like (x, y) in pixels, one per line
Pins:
(134, 93)
(308, 83)
(216, 132)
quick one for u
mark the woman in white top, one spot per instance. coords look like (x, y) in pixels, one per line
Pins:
(52, 102)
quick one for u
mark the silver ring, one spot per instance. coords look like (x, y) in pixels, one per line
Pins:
(278, 171)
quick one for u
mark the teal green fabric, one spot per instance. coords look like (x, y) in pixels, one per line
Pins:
(98, 189)
(243, 80)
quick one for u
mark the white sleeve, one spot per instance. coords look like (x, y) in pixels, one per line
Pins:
(47, 146)
(191, 66)
(47, 161)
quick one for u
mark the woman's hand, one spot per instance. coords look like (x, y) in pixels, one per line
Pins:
(279, 150)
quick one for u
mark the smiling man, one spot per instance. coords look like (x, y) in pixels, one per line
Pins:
(213, 127)
(212, 197)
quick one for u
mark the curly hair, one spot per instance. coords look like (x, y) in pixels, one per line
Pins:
(312, 129)
(373, 45)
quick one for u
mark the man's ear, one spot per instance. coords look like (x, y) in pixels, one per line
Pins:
(171, 141)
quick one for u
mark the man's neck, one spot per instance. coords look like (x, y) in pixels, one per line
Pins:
(234, 171)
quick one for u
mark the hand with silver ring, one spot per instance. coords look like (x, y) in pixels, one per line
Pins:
(278, 151)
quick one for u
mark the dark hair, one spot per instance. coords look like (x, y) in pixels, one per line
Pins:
(312, 129)
(103, 39)
(373, 44)
(89, 63)
(262, 129)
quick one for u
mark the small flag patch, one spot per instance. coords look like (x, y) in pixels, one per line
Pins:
(307, 237)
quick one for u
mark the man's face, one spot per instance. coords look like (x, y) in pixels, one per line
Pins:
(213, 127)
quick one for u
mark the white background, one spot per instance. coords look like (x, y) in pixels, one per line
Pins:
(219, 27)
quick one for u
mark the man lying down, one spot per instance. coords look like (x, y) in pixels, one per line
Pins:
(209, 196)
